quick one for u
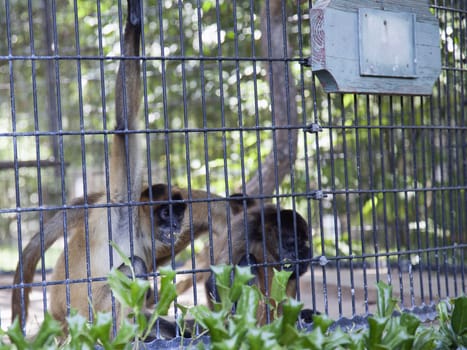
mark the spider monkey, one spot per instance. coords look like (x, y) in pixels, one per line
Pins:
(287, 247)
(159, 211)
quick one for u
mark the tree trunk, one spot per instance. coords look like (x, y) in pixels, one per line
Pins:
(276, 48)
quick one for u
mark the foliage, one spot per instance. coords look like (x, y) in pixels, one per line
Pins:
(386, 330)
(233, 322)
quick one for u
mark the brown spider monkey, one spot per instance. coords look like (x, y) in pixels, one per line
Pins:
(276, 239)
(131, 227)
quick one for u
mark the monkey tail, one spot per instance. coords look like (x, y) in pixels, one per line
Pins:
(126, 158)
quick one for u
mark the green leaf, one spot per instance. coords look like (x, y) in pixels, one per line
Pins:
(459, 316)
(443, 311)
(223, 275)
(313, 340)
(138, 291)
(231, 343)
(410, 322)
(123, 256)
(181, 318)
(357, 341)
(260, 339)
(290, 311)
(322, 321)
(121, 286)
(211, 320)
(425, 339)
(395, 334)
(279, 285)
(385, 302)
(242, 276)
(337, 339)
(126, 333)
(247, 305)
(15, 334)
(167, 293)
(376, 327)
(447, 334)
(101, 328)
(49, 330)
(289, 335)
(78, 328)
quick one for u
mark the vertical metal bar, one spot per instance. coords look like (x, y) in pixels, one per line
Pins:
(382, 133)
(301, 91)
(106, 148)
(83, 159)
(444, 102)
(426, 244)
(405, 177)
(454, 142)
(372, 185)
(414, 139)
(205, 125)
(222, 109)
(15, 152)
(360, 201)
(187, 148)
(346, 151)
(334, 206)
(38, 153)
(434, 176)
(56, 59)
(308, 185)
(166, 129)
(462, 112)
(395, 186)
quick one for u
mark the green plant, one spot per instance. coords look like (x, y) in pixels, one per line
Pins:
(453, 323)
(233, 324)
(239, 329)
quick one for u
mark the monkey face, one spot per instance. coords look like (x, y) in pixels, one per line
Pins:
(295, 250)
(286, 246)
(168, 217)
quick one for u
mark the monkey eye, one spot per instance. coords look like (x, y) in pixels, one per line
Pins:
(165, 213)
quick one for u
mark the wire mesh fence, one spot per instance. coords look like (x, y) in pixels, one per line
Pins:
(230, 106)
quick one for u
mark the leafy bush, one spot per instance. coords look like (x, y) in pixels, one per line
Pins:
(240, 330)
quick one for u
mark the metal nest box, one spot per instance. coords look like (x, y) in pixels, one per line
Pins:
(382, 47)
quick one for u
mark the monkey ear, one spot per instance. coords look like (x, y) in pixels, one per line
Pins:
(236, 202)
